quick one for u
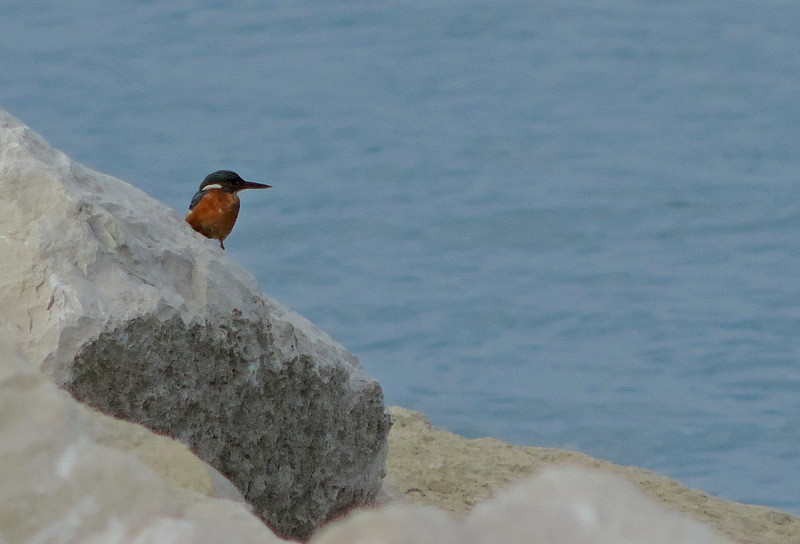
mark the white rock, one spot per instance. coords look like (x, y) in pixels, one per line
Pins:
(573, 505)
(396, 524)
(136, 314)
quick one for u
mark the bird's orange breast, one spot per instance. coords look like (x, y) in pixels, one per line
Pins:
(215, 214)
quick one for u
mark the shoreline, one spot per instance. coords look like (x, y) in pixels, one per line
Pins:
(435, 467)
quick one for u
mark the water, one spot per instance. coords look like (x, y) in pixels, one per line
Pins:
(552, 223)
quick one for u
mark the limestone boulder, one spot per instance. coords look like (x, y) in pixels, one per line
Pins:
(135, 314)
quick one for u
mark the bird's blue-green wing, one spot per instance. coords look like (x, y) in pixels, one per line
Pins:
(198, 196)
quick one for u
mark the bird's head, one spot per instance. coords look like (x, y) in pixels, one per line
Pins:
(230, 182)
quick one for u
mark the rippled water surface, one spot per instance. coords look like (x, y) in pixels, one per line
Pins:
(546, 222)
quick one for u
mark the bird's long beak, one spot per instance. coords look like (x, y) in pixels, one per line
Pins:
(254, 185)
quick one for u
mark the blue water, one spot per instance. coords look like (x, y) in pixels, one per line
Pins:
(549, 222)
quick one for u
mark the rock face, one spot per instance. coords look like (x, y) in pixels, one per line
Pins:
(137, 315)
(57, 484)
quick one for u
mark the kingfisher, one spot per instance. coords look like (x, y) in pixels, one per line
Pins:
(215, 206)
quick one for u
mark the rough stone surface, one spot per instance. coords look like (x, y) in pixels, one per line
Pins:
(139, 316)
(58, 485)
(171, 460)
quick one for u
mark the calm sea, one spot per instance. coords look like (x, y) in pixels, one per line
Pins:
(557, 223)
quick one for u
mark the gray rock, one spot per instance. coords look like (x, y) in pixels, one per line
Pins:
(59, 485)
(139, 316)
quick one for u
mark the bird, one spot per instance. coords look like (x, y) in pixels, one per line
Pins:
(215, 205)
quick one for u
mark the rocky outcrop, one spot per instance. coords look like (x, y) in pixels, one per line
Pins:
(137, 315)
(119, 302)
